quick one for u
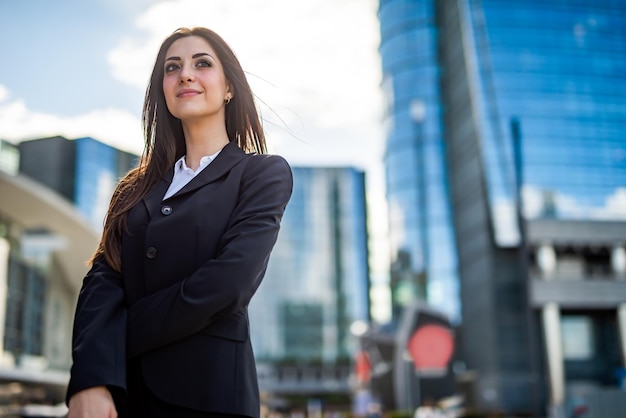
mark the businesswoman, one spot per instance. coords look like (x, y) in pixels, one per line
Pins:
(161, 325)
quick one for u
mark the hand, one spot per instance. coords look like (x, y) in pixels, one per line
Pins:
(95, 402)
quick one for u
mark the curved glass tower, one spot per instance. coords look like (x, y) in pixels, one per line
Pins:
(424, 261)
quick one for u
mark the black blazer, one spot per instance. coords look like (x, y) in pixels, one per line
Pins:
(190, 265)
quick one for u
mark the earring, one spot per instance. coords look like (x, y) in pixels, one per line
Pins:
(227, 100)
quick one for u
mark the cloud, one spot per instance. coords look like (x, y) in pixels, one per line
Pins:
(313, 64)
(615, 205)
(113, 126)
(4, 93)
(505, 222)
(537, 201)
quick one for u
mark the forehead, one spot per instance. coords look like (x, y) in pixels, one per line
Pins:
(188, 46)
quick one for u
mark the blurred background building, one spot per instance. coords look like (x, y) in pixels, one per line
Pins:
(84, 171)
(55, 192)
(506, 181)
(424, 259)
(44, 243)
(316, 286)
(315, 292)
(505, 169)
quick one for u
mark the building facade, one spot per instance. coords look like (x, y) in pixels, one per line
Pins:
(44, 243)
(424, 260)
(55, 193)
(530, 102)
(317, 281)
(316, 285)
(84, 171)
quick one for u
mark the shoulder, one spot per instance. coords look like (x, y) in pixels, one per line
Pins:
(269, 164)
(268, 172)
(266, 160)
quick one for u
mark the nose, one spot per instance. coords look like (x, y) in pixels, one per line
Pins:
(185, 75)
(185, 79)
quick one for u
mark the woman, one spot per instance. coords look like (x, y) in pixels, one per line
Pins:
(161, 325)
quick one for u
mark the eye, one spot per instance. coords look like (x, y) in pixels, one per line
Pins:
(171, 67)
(204, 63)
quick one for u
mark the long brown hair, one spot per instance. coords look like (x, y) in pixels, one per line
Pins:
(165, 141)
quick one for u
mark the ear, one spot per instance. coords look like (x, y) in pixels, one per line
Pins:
(230, 91)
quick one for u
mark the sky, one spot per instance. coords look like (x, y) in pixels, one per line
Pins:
(79, 68)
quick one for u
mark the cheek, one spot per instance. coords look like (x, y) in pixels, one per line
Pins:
(167, 86)
(168, 90)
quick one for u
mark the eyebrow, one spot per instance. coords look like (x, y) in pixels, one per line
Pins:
(194, 56)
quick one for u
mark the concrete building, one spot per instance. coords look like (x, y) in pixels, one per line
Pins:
(44, 244)
(54, 194)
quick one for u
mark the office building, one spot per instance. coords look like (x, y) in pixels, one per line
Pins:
(54, 196)
(527, 99)
(9, 157)
(315, 289)
(424, 261)
(84, 171)
(316, 285)
(44, 243)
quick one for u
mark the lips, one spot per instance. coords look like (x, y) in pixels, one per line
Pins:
(187, 93)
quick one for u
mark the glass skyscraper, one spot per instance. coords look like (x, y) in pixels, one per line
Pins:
(556, 71)
(317, 281)
(514, 98)
(424, 260)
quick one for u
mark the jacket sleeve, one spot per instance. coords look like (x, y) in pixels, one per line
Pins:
(99, 333)
(226, 283)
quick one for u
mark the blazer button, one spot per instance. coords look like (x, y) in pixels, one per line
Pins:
(166, 210)
(151, 252)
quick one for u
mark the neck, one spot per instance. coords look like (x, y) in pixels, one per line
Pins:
(203, 138)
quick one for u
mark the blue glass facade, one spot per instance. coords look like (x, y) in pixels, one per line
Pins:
(549, 76)
(84, 171)
(559, 70)
(95, 179)
(424, 261)
(317, 282)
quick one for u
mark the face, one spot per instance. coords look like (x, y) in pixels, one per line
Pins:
(194, 83)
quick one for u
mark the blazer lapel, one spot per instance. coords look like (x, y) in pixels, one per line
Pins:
(230, 156)
(153, 199)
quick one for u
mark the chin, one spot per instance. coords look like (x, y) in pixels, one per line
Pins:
(189, 114)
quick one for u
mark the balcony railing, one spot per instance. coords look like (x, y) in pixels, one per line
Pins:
(578, 292)
(303, 379)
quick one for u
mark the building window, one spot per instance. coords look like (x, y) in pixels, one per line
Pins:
(24, 310)
(577, 337)
(303, 326)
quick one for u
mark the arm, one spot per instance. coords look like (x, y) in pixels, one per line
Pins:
(227, 282)
(99, 335)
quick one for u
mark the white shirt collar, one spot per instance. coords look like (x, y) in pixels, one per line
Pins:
(183, 174)
(181, 164)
